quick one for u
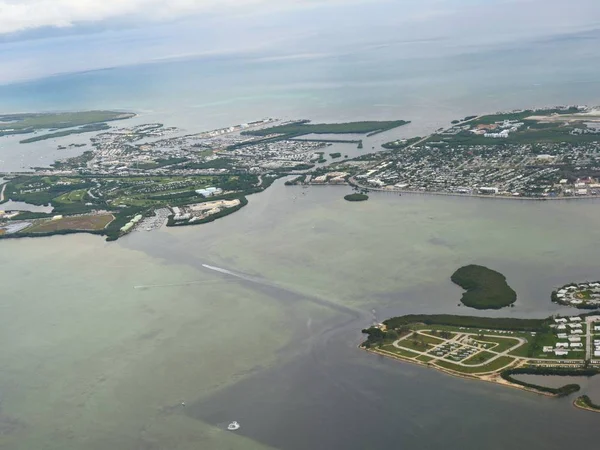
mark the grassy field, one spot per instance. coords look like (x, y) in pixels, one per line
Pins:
(479, 358)
(401, 352)
(303, 128)
(87, 223)
(72, 196)
(31, 122)
(497, 364)
(501, 344)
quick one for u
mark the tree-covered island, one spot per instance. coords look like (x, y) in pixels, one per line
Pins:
(486, 288)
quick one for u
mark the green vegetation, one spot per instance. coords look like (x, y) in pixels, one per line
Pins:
(212, 217)
(398, 351)
(548, 371)
(83, 129)
(586, 402)
(493, 366)
(356, 197)
(492, 323)
(401, 143)
(305, 127)
(479, 358)
(486, 288)
(28, 123)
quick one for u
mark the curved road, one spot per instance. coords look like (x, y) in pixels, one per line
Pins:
(461, 335)
(2, 192)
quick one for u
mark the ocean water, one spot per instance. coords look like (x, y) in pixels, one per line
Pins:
(139, 345)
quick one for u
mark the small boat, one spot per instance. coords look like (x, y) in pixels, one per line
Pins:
(233, 426)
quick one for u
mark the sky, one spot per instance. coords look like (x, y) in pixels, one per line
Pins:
(40, 38)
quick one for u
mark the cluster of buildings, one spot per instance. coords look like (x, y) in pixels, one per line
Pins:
(146, 149)
(329, 178)
(458, 351)
(579, 295)
(199, 211)
(570, 333)
(516, 170)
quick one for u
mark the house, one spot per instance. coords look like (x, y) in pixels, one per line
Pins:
(561, 327)
(548, 349)
(561, 352)
(562, 335)
(597, 328)
(574, 339)
(562, 345)
(575, 319)
(577, 332)
(574, 325)
(576, 345)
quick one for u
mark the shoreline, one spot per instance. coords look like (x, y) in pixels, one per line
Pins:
(489, 377)
(584, 407)
(351, 182)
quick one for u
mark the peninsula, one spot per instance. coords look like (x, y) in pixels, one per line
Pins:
(496, 350)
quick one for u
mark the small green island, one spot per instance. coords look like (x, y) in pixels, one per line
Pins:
(356, 197)
(486, 288)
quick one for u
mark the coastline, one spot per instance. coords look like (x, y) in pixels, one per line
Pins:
(351, 182)
(583, 407)
(489, 377)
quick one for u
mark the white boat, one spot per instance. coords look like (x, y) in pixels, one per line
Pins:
(233, 426)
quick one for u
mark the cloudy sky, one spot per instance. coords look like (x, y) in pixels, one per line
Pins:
(44, 37)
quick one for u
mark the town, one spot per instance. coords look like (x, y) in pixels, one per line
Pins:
(544, 154)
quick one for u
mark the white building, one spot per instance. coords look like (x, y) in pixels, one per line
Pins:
(575, 319)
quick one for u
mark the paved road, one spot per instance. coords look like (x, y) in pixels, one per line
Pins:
(2, 192)
(460, 336)
(589, 321)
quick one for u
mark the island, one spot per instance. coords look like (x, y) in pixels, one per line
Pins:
(498, 350)
(145, 176)
(356, 197)
(485, 288)
(579, 295)
(71, 122)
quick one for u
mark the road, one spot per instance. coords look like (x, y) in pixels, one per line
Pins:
(589, 322)
(460, 336)
(2, 193)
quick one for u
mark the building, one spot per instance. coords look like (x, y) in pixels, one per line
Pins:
(576, 344)
(558, 352)
(562, 345)
(575, 319)
(548, 349)
(488, 190)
